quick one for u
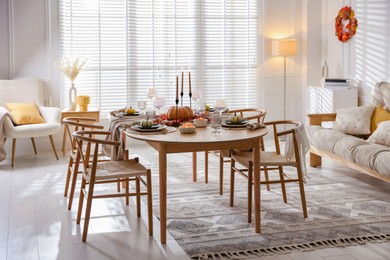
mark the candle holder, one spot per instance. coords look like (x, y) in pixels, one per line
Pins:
(181, 98)
(190, 94)
(176, 122)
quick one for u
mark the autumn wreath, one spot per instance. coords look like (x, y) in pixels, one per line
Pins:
(345, 33)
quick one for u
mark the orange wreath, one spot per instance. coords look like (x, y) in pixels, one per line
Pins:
(344, 34)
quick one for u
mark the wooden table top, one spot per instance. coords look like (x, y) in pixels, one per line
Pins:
(202, 135)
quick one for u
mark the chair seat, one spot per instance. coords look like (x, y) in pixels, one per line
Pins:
(30, 130)
(119, 169)
(266, 159)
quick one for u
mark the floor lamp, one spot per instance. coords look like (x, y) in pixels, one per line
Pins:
(284, 48)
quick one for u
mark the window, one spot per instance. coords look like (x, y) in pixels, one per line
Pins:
(134, 45)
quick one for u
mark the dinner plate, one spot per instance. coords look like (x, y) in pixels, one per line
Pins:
(244, 122)
(154, 128)
(125, 114)
(240, 125)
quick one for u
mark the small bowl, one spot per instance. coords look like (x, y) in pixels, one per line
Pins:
(187, 129)
(200, 123)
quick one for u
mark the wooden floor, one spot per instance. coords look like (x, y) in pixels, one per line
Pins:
(35, 224)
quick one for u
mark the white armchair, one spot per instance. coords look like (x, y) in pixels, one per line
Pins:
(29, 90)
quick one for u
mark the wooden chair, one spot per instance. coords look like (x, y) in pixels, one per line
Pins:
(272, 160)
(109, 172)
(72, 124)
(253, 115)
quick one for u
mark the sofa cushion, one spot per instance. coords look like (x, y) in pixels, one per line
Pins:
(380, 114)
(381, 163)
(323, 138)
(381, 135)
(346, 146)
(366, 155)
(354, 120)
(386, 98)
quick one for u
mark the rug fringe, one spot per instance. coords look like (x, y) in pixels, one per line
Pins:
(339, 242)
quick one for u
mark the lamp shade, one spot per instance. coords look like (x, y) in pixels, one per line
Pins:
(284, 47)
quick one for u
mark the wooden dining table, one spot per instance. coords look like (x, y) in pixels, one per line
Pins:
(202, 140)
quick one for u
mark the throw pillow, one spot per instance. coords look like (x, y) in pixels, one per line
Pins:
(25, 113)
(354, 120)
(380, 114)
(381, 134)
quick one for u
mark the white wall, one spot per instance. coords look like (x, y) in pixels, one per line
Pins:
(366, 57)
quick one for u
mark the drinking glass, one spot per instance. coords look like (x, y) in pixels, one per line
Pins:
(216, 123)
(142, 106)
(196, 94)
(220, 106)
(159, 102)
(151, 93)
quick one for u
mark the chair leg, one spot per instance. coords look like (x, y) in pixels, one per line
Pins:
(68, 175)
(250, 181)
(232, 173)
(266, 178)
(33, 143)
(138, 191)
(74, 174)
(88, 211)
(53, 146)
(149, 199)
(283, 184)
(220, 173)
(206, 167)
(127, 191)
(302, 191)
(81, 201)
(13, 151)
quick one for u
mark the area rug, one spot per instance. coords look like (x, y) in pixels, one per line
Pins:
(205, 226)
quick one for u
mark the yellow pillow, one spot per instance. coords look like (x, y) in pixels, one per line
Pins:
(25, 113)
(380, 114)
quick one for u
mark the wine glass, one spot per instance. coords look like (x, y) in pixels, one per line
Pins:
(196, 94)
(220, 106)
(159, 102)
(142, 106)
(151, 93)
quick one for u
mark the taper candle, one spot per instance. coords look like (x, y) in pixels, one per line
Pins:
(177, 86)
(182, 80)
(189, 79)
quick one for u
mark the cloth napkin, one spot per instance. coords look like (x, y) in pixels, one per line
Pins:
(254, 126)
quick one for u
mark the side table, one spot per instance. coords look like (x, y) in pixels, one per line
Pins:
(91, 114)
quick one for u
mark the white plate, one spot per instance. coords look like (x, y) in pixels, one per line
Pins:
(139, 129)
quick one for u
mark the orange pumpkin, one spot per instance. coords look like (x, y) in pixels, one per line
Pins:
(182, 113)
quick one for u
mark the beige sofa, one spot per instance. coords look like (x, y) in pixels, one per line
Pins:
(352, 151)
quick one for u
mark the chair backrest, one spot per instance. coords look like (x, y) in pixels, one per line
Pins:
(28, 90)
(381, 93)
(89, 137)
(251, 113)
(79, 123)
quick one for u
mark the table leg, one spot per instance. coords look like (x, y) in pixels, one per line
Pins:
(162, 167)
(194, 161)
(64, 142)
(256, 173)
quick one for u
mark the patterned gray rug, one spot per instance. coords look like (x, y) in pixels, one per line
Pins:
(204, 224)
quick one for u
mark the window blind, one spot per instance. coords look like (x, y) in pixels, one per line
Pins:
(133, 45)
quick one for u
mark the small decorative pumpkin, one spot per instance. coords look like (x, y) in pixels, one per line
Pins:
(235, 119)
(182, 113)
(130, 111)
(146, 123)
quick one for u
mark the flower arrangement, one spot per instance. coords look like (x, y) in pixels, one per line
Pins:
(344, 34)
(71, 67)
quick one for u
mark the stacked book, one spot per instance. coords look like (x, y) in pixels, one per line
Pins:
(335, 83)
